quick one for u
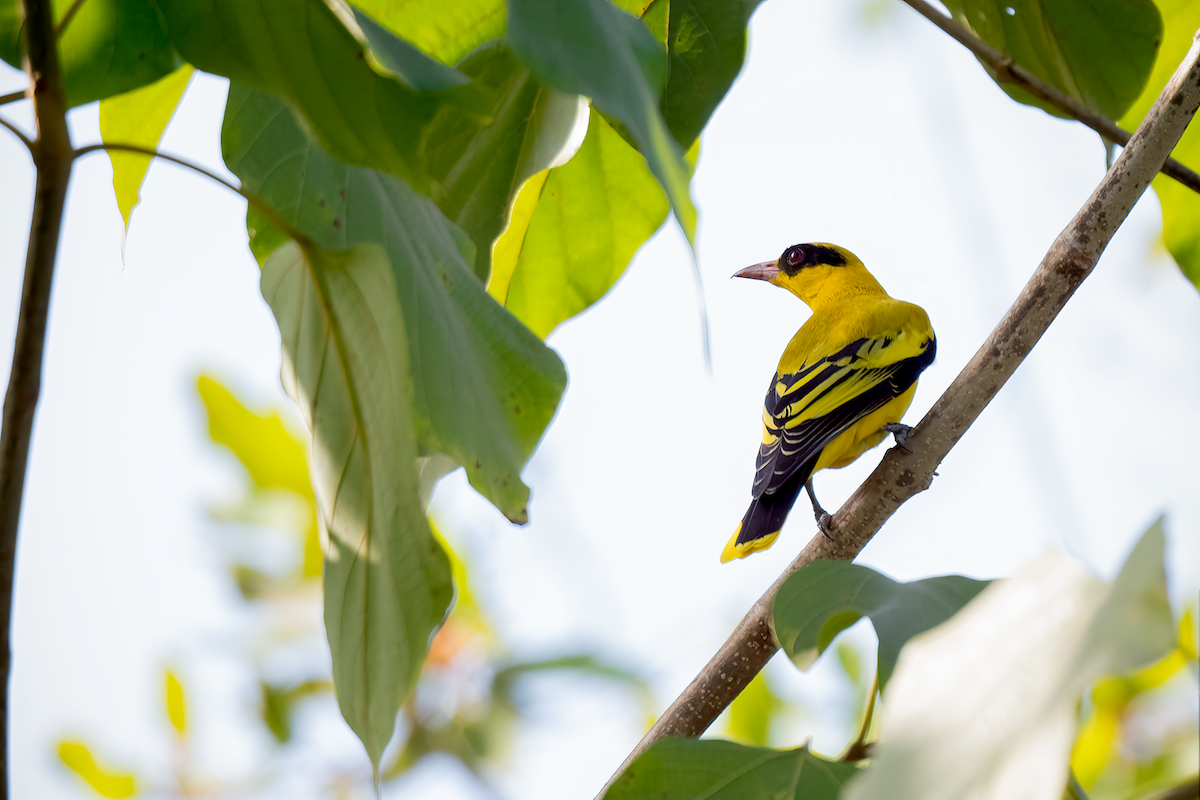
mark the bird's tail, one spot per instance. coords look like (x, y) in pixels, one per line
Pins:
(764, 519)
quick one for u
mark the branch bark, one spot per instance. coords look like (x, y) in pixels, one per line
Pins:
(52, 155)
(1008, 71)
(902, 474)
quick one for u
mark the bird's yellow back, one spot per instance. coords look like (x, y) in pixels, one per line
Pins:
(850, 370)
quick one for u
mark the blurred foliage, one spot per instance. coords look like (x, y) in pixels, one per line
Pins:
(1139, 735)
(466, 703)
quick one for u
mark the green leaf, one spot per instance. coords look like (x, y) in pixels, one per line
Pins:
(987, 704)
(446, 31)
(346, 364)
(406, 62)
(1180, 205)
(675, 769)
(588, 218)
(484, 387)
(481, 164)
(752, 712)
(824, 598)
(593, 48)
(105, 781)
(706, 47)
(110, 46)
(305, 51)
(1098, 53)
(138, 117)
(271, 453)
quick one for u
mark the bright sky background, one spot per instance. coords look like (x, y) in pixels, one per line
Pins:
(884, 137)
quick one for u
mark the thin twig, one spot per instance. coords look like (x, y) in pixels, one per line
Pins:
(24, 139)
(1008, 71)
(902, 474)
(13, 97)
(66, 20)
(53, 157)
(259, 204)
(859, 749)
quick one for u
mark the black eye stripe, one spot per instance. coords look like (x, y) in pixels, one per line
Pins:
(799, 256)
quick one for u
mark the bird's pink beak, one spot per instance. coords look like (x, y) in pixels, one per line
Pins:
(766, 271)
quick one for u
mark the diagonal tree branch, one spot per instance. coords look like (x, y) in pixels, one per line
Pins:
(1008, 71)
(901, 474)
(52, 155)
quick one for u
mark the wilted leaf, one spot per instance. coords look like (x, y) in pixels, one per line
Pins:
(484, 387)
(105, 781)
(1098, 53)
(684, 769)
(592, 48)
(110, 46)
(824, 598)
(588, 218)
(346, 364)
(984, 706)
(138, 117)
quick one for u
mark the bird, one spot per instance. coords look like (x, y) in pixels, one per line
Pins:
(842, 385)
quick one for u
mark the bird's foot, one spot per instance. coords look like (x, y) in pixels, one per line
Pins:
(900, 431)
(824, 522)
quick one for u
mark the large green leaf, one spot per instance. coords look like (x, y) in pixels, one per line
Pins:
(574, 230)
(593, 48)
(484, 387)
(824, 598)
(110, 46)
(307, 52)
(346, 364)
(683, 769)
(706, 47)
(481, 164)
(1180, 205)
(1098, 53)
(446, 31)
(986, 705)
(138, 117)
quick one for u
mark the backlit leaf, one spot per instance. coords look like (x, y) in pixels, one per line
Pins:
(346, 364)
(138, 117)
(105, 781)
(445, 31)
(176, 707)
(1098, 53)
(109, 47)
(593, 48)
(589, 217)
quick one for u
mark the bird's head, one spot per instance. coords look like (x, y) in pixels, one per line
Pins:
(817, 273)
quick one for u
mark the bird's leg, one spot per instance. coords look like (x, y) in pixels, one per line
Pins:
(824, 521)
(900, 431)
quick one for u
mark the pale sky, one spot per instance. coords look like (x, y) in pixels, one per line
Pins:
(888, 140)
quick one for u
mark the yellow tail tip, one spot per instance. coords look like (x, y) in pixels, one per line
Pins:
(734, 550)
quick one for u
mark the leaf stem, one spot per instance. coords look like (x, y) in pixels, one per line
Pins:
(259, 204)
(858, 750)
(66, 20)
(1008, 71)
(52, 156)
(24, 139)
(13, 97)
(902, 474)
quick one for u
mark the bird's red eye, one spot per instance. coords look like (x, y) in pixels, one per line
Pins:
(795, 256)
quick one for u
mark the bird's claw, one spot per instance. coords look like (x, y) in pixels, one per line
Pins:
(900, 431)
(824, 523)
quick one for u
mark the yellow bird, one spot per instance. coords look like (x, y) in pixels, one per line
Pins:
(842, 384)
